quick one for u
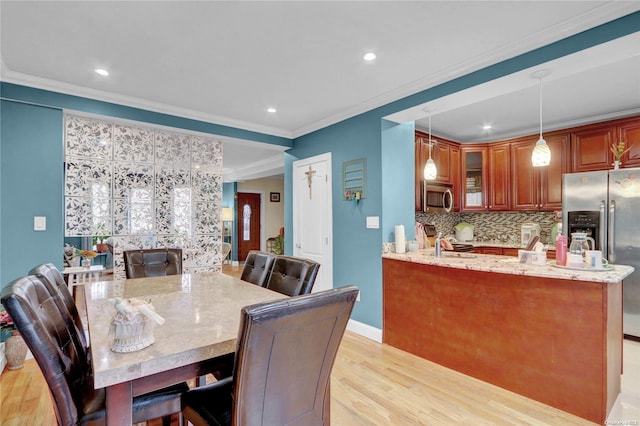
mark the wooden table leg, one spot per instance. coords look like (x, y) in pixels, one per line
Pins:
(119, 400)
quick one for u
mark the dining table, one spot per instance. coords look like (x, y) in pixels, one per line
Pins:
(201, 313)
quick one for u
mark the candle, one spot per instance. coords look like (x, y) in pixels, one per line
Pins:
(400, 239)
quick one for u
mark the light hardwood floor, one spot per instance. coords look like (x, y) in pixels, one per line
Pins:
(372, 384)
(375, 384)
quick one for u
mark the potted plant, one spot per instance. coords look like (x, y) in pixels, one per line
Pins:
(278, 245)
(99, 237)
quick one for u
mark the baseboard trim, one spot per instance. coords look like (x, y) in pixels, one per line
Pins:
(365, 330)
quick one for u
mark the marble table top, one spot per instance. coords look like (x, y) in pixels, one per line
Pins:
(201, 312)
(511, 265)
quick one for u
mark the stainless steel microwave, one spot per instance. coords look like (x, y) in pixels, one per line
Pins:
(437, 197)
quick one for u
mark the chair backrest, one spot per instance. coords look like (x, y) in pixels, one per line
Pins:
(257, 267)
(226, 249)
(38, 319)
(292, 276)
(152, 262)
(285, 353)
(54, 281)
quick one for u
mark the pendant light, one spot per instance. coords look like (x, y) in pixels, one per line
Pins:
(430, 169)
(541, 155)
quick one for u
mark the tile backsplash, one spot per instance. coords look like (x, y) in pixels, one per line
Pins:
(502, 226)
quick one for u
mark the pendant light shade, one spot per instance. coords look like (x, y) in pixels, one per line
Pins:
(541, 155)
(430, 169)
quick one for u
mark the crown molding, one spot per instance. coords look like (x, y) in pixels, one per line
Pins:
(10, 76)
(270, 166)
(595, 17)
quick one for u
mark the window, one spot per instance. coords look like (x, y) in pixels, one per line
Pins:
(246, 222)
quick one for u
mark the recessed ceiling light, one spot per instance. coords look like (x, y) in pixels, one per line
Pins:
(102, 72)
(369, 56)
(487, 127)
(271, 109)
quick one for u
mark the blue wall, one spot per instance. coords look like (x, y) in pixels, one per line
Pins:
(390, 167)
(229, 190)
(32, 185)
(62, 101)
(32, 175)
(356, 249)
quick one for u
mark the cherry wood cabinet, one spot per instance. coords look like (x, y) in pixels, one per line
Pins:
(538, 188)
(629, 132)
(486, 177)
(590, 148)
(499, 177)
(475, 177)
(454, 156)
(489, 250)
(446, 155)
(506, 251)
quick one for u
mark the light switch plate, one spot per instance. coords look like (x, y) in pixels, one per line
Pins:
(39, 223)
(373, 222)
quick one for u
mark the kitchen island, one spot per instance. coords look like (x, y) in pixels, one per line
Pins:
(551, 334)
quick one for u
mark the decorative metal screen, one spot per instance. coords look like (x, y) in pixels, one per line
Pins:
(150, 187)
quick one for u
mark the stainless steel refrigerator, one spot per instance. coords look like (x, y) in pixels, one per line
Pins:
(606, 205)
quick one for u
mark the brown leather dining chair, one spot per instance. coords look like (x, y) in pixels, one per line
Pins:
(292, 276)
(54, 281)
(284, 357)
(257, 267)
(142, 263)
(62, 360)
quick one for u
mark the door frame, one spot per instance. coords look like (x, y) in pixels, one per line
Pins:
(328, 213)
(263, 208)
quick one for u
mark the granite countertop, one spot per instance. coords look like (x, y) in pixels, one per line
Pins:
(510, 265)
(502, 244)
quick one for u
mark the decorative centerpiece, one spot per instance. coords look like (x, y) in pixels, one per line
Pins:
(618, 150)
(87, 255)
(133, 324)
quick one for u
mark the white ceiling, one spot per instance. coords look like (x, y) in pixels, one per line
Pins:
(226, 62)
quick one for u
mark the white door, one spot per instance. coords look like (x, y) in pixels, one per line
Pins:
(312, 215)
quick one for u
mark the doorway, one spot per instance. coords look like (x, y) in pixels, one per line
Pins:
(249, 223)
(313, 215)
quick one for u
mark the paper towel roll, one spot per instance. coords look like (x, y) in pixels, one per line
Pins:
(400, 239)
